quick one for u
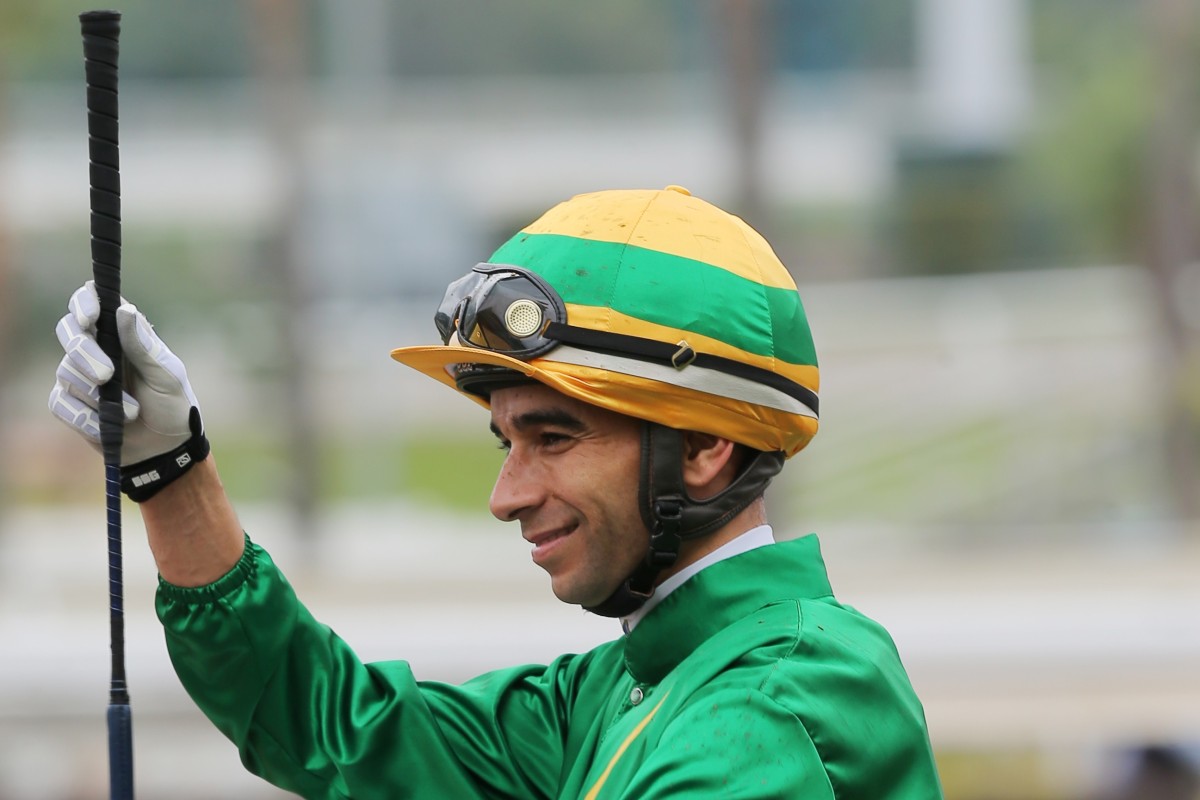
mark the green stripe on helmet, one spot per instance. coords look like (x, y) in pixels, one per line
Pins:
(763, 320)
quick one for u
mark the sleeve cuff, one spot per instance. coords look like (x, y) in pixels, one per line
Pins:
(231, 581)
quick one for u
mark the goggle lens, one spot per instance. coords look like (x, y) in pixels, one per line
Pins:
(500, 308)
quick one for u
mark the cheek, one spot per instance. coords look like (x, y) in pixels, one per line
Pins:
(621, 480)
(615, 477)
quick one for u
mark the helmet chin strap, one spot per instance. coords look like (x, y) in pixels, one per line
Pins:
(672, 516)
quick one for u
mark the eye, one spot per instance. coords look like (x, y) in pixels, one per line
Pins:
(504, 444)
(551, 439)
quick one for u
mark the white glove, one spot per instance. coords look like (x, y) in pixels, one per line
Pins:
(163, 436)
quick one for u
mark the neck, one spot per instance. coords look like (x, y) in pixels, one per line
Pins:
(692, 550)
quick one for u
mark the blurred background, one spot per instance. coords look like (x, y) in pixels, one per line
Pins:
(990, 207)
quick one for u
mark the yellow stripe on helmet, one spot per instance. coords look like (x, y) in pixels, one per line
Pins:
(606, 319)
(669, 221)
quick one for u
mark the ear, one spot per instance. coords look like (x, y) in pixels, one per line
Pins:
(709, 464)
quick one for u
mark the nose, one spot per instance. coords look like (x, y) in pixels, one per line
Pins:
(517, 489)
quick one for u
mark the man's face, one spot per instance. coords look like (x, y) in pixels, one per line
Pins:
(571, 479)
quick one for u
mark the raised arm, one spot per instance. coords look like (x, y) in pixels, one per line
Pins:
(193, 531)
(165, 462)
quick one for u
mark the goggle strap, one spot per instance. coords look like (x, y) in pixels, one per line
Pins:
(677, 355)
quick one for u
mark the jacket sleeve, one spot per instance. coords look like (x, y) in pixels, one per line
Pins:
(309, 717)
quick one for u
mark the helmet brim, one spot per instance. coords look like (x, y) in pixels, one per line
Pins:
(437, 361)
(666, 403)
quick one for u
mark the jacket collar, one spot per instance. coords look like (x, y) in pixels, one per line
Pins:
(720, 595)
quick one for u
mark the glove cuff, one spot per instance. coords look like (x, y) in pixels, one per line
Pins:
(143, 480)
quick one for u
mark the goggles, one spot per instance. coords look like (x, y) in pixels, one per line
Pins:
(500, 308)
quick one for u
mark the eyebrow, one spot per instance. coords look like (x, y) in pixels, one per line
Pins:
(548, 416)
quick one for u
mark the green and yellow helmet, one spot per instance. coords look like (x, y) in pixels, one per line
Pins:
(653, 304)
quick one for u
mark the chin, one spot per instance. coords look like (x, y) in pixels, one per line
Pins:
(578, 595)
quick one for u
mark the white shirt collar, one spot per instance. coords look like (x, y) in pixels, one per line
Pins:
(745, 542)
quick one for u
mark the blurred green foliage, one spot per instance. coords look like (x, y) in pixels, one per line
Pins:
(1085, 157)
(953, 211)
(213, 40)
(1068, 191)
(172, 39)
(1071, 189)
(451, 468)
(439, 467)
(214, 268)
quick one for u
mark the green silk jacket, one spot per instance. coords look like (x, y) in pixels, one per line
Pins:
(748, 681)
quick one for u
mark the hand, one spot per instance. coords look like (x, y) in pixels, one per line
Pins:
(163, 434)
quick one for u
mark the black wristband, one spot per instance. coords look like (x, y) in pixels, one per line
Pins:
(143, 480)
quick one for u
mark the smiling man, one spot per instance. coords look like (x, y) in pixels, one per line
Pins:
(648, 368)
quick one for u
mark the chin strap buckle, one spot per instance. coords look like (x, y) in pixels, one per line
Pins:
(665, 539)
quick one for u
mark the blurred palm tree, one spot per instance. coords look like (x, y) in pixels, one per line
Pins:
(282, 60)
(19, 21)
(1172, 236)
(1114, 163)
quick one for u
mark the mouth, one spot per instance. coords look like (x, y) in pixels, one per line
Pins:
(546, 542)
